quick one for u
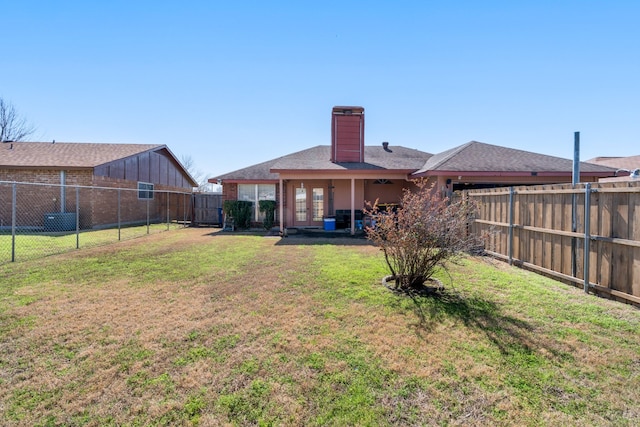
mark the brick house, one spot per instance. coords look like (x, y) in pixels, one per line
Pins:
(148, 170)
(338, 180)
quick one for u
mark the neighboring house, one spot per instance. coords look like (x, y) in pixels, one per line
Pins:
(338, 180)
(627, 168)
(624, 165)
(146, 168)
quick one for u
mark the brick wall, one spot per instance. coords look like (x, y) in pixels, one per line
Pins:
(98, 207)
(230, 192)
(34, 201)
(104, 203)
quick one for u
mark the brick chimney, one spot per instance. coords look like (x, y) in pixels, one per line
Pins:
(347, 134)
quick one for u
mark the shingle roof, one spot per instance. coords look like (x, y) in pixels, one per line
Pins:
(480, 157)
(259, 172)
(629, 163)
(67, 155)
(376, 157)
(470, 157)
(317, 158)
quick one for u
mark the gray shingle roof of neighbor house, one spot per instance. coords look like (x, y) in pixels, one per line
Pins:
(477, 156)
(629, 163)
(68, 155)
(392, 158)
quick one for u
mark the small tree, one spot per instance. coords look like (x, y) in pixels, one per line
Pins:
(422, 234)
(269, 209)
(190, 166)
(13, 127)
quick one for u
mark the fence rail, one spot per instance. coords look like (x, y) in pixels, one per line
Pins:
(43, 219)
(588, 234)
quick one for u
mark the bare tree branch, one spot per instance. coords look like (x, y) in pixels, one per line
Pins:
(13, 127)
(201, 178)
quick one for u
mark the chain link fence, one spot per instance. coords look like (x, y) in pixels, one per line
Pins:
(37, 220)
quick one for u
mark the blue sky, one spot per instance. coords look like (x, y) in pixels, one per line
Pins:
(232, 84)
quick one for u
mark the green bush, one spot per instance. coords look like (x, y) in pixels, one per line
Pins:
(269, 208)
(240, 211)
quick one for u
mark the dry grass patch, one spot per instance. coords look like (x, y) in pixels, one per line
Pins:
(199, 328)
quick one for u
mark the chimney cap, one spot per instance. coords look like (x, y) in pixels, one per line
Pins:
(347, 110)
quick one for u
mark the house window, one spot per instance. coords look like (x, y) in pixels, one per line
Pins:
(255, 192)
(318, 204)
(145, 191)
(301, 204)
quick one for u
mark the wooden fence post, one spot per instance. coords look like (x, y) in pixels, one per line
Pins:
(511, 202)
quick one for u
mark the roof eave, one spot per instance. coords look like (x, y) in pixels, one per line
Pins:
(509, 173)
(47, 167)
(340, 171)
(242, 181)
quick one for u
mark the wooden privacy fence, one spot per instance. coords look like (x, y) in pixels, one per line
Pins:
(588, 234)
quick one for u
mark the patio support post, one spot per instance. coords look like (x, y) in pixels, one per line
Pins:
(281, 207)
(353, 209)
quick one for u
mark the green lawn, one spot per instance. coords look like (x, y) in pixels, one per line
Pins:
(199, 327)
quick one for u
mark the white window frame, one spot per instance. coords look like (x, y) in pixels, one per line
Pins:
(145, 191)
(256, 197)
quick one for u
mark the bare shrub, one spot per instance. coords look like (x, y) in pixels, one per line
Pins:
(425, 232)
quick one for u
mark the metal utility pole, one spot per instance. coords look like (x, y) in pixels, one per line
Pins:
(574, 206)
(576, 158)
